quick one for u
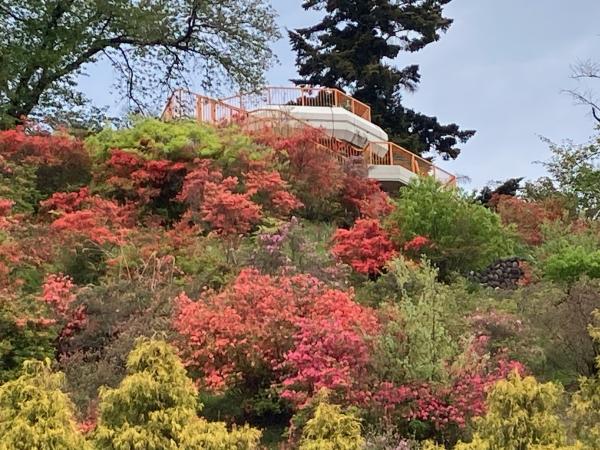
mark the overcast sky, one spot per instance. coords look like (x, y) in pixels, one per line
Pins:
(500, 70)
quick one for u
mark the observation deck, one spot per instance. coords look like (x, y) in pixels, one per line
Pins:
(342, 123)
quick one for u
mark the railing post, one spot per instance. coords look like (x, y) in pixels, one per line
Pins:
(302, 96)
(213, 112)
(391, 151)
(199, 111)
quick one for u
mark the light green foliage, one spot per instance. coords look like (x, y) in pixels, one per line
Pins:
(424, 311)
(331, 429)
(154, 409)
(27, 340)
(567, 254)
(521, 415)
(465, 235)
(185, 139)
(575, 173)
(158, 138)
(571, 263)
(35, 414)
(584, 410)
(152, 46)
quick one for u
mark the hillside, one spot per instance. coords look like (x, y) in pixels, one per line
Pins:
(190, 286)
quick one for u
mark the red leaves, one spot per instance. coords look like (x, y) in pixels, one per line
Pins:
(331, 350)
(288, 329)
(365, 247)
(135, 178)
(365, 196)
(527, 216)
(226, 212)
(269, 189)
(40, 149)
(416, 244)
(231, 207)
(246, 328)
(58, 293)
(99, 220)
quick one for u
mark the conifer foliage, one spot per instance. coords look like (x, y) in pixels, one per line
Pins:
(348, 49)
(35, 414)
(154, 408)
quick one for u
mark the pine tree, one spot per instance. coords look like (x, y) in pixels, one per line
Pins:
(349, 49)
(154, 408)
(35, 414)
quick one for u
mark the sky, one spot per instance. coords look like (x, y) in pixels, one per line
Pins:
(501, 69)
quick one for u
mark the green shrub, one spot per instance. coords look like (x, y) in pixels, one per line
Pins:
(522, 413)
(22, 336)
(570, 263)
(464, 235)
(35, 414)
(331, 429)
(182, 140)
(154, 408)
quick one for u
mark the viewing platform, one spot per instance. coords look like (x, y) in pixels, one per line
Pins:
(344, 123)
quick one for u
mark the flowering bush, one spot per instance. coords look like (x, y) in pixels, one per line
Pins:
(366, 247)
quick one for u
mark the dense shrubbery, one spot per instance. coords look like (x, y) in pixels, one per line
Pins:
(301, 299)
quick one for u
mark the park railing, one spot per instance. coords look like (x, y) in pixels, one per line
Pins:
(250, 112)
(299, 96)
(391, 154)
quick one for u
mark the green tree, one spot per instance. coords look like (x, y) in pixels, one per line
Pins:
(153, 45)
(464, 235)
(35, 414)
(349, 49)
(574, 175)
(521, 416)
(585, 404)
(154, 408)
(331, 429)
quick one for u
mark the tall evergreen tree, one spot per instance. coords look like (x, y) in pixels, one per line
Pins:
(351, 48)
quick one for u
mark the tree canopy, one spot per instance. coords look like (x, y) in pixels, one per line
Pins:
(153, 46)
(351, 48)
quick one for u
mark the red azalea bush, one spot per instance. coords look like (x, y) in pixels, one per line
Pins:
(365, 247)
(61, 161)
(364, 197)
(331, 350)
(290, 330)
(92, 217)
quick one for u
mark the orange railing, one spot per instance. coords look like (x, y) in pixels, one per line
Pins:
(204, 109)
(390, 154)
(247, 112)
(299, 96)
(286, 125)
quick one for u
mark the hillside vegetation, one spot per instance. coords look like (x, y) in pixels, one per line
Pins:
(181, 286)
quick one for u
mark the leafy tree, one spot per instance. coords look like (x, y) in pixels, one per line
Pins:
(152, 45)
(574, 174)
(34, 413)
(463, 235)
(349, 48)
(154, 408)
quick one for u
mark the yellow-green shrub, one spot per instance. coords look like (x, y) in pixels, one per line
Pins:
(154, 409)
(331, 429)
(35, 414)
